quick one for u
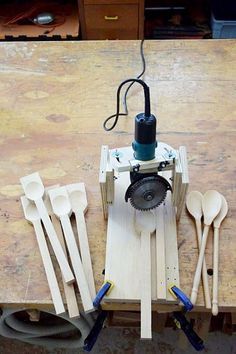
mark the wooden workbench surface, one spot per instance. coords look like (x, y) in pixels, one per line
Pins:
(53, 100)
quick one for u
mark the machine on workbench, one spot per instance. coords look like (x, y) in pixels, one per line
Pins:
(136, 183)
(146, 161)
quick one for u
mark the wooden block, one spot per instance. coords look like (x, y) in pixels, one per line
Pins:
(79, 203)
(32, 215)
(61, 206)
(34, 190)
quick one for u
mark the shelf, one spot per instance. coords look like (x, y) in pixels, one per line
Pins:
(65, 12)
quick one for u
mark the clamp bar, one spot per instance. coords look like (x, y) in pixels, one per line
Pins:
(179, 294)
(104, 290)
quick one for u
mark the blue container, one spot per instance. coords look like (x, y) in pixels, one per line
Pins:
(223, 28)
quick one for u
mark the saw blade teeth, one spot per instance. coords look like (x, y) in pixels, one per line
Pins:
(150, 198)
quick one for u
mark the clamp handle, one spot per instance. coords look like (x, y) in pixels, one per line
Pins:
(179, 294)
(90, 340)
(194, 339)
(105, 289)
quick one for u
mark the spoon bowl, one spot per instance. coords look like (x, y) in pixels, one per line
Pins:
(211, 205)
(194, 204)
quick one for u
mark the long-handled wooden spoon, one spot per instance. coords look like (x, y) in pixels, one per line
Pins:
(145, 224)
(34, 190)
(211, 204)
(62, 209)
(32, 215)
(69, 289)
(217, 222)
(79, 204)
(194, 206)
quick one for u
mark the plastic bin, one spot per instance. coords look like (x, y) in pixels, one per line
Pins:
(223, 28)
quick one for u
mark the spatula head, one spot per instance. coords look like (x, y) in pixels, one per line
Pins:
(144, 221)
(30, 210)
(194, 204)
(222, 214)
(60, 201)
(211, 205)
(33, 186)
(78, 198)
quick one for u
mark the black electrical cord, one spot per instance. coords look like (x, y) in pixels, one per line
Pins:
(118, 114)
(147, 110)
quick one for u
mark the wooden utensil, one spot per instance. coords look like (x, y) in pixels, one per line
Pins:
(62, 209)
(194, 206)
(69, 290)
(32, 215)
(217, 222)
(34, 190)
(145, 224)
(211, 204)
(79, 204)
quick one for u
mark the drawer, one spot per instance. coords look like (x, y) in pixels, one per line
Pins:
(111, 21)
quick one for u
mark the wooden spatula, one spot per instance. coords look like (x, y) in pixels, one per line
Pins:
(194, 206)
(34, 191)
(145, 224)
(79, 204)
(62, 209)
(211, 204)
(32, 215)
(217, 222)
(69, 289)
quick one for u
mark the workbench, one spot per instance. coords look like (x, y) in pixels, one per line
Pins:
(54, 99)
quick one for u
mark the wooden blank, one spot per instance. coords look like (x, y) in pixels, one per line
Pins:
(69, 289)
(78, 198)
(145, 284)
(61, 207)
(160, 254)
(32, 215)
(34, 190)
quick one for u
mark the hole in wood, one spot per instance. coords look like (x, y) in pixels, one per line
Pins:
(210, 271)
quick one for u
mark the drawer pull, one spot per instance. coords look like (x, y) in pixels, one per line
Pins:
(111, 18)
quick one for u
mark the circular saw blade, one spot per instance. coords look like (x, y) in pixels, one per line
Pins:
(148, 192)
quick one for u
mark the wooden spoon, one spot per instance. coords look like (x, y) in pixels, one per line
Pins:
(194, 206)
(62, 209)
(34, 190)
(79, 204)
(211, 205)
(217, 222)
(145, 224)
(32, 215)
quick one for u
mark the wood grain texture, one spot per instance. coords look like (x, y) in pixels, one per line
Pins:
(54, 98)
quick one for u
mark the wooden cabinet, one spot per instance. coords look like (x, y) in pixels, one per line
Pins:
(111, 19)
